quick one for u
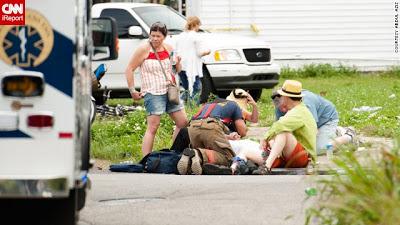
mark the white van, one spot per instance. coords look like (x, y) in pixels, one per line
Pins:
(249, 66)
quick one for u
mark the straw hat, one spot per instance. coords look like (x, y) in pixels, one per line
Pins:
(291, 88)
(240, 97)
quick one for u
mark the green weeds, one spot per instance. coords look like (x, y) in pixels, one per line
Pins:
(363, 193)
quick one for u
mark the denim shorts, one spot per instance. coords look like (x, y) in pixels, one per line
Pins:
(326, 133)
(158, 104)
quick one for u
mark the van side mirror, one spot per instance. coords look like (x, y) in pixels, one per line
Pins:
(135, 31)
(105, 39)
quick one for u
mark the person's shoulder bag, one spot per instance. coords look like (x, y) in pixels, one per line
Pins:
(172, 88)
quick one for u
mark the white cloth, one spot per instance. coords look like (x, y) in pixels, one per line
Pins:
(248, 150)
(238, 146)
(188, 47)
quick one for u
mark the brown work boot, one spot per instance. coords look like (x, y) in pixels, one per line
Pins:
(196, 162)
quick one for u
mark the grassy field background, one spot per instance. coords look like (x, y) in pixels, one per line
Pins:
(119, 138)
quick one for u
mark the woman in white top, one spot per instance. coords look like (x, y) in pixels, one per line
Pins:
(188, 47)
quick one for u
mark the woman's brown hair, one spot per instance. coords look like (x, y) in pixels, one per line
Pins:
(161, 27)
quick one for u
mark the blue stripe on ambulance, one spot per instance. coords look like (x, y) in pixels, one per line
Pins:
(13, 134)
(57, 68)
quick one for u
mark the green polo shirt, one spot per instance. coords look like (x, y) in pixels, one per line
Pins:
(300, 122)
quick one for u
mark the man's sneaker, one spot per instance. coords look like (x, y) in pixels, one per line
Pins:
(185, 162)
(196, 162)
(350, 131)
(212, 169)
(340, 131)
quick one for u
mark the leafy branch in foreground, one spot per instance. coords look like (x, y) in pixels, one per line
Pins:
(366, 191)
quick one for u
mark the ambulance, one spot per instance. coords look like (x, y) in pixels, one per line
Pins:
(45, 101)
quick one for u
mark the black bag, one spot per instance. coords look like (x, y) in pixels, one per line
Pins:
(164, 161)
(127, 167)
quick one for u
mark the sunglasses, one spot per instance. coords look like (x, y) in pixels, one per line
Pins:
(274, 96)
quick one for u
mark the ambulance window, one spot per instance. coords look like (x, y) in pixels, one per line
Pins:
(124, 20)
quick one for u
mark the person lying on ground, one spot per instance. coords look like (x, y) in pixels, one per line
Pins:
(209, 131)
(243, 100)
(245, 150)
(326, 117)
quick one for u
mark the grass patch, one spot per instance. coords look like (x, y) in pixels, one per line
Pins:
(364, 90)
(349, 93)
(116, 138)
(121, 138)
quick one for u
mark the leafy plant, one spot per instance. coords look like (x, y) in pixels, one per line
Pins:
(363, 193)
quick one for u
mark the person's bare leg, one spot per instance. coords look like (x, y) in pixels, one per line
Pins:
(153, 122)
(284, 143)
(180, 120)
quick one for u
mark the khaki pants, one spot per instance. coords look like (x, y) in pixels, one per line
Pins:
(209, 136)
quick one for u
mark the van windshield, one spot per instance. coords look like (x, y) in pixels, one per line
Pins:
(174, 21)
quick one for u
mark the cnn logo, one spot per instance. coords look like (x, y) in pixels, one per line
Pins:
(12, 12)
(13, 9)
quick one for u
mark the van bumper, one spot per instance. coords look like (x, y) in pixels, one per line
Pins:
(43, 188)
(228, 76)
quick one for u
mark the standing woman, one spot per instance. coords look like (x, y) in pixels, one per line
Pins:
(154, 84)
(188, 47)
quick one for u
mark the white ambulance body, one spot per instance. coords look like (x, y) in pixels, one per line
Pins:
(45, 69)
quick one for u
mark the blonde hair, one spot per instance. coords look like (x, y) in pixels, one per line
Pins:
(191, 22)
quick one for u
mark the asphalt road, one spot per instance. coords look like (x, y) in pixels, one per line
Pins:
(120, 198)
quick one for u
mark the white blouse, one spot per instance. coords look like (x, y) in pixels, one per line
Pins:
(188, 47)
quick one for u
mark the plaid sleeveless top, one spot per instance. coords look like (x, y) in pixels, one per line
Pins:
(152, 76)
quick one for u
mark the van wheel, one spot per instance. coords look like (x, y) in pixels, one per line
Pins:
(81, 196)
(256, 94)
(207, 86)
(40, 211)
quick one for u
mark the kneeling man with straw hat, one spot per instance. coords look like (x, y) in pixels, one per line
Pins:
(292, 139)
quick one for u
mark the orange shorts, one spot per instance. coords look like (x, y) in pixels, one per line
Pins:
(298, 159)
